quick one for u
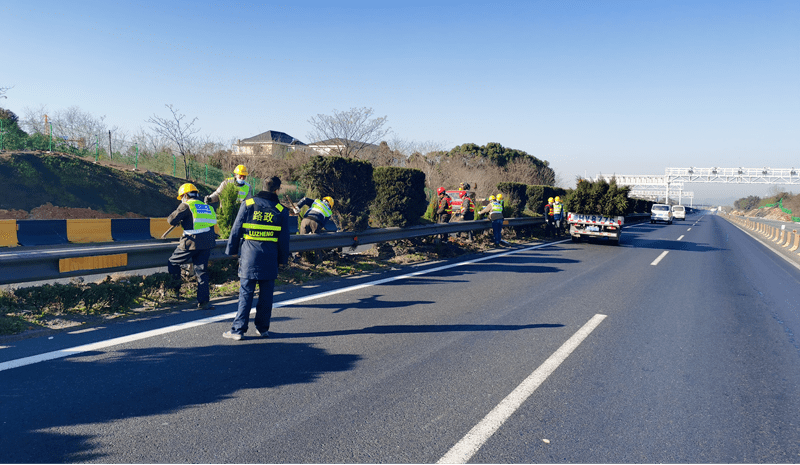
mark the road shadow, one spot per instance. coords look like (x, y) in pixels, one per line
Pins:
(409, 329)
(37, 400)
(371, 302)
(634, 238)
(671, 245)
(500, 264)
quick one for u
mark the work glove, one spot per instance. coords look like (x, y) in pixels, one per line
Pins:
(206, 199)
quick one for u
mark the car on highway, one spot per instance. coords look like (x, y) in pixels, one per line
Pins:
(661, 212)
(679, 212)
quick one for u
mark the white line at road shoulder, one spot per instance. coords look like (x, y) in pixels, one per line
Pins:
(229, 316)
(477, 436)
(660, 257)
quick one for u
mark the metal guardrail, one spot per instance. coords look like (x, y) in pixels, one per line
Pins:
(19, 265)
(37, 264)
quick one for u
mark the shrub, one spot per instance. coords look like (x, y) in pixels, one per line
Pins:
(538, 195)
(36, 297)
(8, 302)
(433, 205)
(115, 295)
(516, 197)
(223, 270)
(228, 209)
(65, 296)
(350, 184)
(598, 197)
(400, 196)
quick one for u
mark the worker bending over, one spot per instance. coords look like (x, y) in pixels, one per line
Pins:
(319, 212)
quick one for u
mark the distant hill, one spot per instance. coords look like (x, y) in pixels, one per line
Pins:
(56, 186)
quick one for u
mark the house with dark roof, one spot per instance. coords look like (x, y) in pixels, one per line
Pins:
(340, 146)
(267, 143)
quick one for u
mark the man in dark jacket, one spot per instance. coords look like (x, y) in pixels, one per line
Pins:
(197, 220)
(444, 211)
(263, 223)
(548, 217)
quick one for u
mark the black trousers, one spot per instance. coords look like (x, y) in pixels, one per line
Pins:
(198, 258)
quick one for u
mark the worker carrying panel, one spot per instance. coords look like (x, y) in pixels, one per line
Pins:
(31, 233)
(131, 229)
(8, 233)
(89, 230)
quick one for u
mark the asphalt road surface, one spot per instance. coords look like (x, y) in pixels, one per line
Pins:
(678, 345)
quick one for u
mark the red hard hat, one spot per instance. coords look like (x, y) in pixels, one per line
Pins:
(440, 190)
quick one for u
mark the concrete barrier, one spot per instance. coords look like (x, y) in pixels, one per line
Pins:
(42, 232)
(89, 230)
(789, 236)
(130, 229)
(8, 233)
(159, 226)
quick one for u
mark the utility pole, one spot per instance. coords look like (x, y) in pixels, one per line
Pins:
(110, 154)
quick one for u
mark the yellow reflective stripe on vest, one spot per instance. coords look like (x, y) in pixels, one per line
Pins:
(251, 237)
(497, 207)
(557, 208)
(261, 226)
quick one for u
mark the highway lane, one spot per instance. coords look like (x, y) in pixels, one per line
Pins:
(703, 369)
(694, 361)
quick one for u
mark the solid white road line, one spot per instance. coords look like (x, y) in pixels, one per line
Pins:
(663, 254)
(477, 436)
(214, 319)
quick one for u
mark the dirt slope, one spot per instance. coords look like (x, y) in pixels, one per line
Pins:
(36, 185)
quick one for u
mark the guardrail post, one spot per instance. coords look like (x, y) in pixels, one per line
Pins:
(796, 241)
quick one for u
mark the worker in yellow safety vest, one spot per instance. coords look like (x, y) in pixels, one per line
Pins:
(244, 190)
(548, 217)
(558, 215)
(197, 220)
(317, 215)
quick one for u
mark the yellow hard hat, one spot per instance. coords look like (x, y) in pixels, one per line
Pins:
(186, 188)
(491, 197)
(550, 200)
(500, 196)
(329, 200)
(558, 199)
(241, 170)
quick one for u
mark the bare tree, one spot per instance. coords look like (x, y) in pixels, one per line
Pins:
(181, 135)
(77, 127)
(149, 144)
(33, 120)
(349, 132)
(407, 147)
(3, 91)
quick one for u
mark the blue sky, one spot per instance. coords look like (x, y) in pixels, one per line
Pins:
(600, 86)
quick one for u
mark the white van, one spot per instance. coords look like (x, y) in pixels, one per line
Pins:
(679, 212)
(661, 212)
